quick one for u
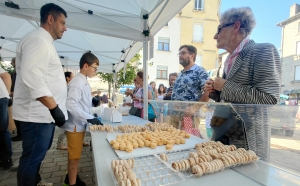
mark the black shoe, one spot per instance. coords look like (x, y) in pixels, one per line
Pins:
(79, 182)
(17, 138)
(6, 164)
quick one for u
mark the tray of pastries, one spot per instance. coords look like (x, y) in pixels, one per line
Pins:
(146, 170)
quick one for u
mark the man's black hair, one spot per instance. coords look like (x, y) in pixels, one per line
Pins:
(51, 9)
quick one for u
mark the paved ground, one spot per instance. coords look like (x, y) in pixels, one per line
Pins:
(285, 153)
(54, 166)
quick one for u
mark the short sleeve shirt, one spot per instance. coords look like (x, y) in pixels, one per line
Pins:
(188, 85)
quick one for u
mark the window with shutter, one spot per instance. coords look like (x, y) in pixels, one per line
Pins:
(198, 33)
(161, 72)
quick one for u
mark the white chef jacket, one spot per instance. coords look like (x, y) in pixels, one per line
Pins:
(40, 73)
(79, 104)
(3, 89)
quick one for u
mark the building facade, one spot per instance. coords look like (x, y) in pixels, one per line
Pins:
(195, 25)
(290, 55)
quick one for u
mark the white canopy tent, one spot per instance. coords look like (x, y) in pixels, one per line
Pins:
(74, 43)
(133, 20)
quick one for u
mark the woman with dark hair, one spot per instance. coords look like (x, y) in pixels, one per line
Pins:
(161, 92)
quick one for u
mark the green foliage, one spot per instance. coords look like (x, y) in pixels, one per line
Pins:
(10, 69)
(131, 70)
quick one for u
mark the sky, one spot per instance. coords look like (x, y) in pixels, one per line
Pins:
(267, 14)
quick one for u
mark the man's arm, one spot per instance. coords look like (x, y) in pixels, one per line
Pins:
(49, 102)
(6, 80)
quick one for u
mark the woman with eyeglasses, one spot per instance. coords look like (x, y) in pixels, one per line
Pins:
(251, 75)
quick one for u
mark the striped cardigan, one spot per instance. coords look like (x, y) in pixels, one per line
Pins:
(253, 79)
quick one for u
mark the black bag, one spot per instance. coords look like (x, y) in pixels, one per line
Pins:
(135, 111)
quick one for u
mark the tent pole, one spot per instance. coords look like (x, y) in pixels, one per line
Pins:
(145, 67)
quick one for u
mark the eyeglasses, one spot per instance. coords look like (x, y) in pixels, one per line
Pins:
(220, 27)
(182, 53)
(95, 68)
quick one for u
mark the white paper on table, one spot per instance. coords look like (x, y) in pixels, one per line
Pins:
(116, 116)
(138, 152)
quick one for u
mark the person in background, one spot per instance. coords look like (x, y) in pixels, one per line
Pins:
(5, 142)
(251, 76)
(169, 93)
(104, 99)
(60, 140)
(128, 98)
(154, 90)
(95, 102)
(138, 96)
(172, 78)
(40, 92)
(18, 137)
(161, 92)
(188, 85)
(79, 105)
(98, 96)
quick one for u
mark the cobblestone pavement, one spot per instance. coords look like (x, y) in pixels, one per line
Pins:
(54, 166)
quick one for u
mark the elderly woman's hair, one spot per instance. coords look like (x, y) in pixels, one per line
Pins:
(244, 15)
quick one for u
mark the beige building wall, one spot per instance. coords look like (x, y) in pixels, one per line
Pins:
(208, 17)
(289, 57)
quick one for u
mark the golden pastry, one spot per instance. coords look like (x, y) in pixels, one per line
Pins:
(160, 143)
(116, 146)
(187, 135)
(122, 183)
(135, 145)
(169, 146)
(129, 148)
(182, 141)
(128, 182)
(141, 143)
(163, 157)
(153, 145)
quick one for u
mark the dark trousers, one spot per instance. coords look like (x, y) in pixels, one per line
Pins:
(17, 123)
(5, 142)
(36, 141)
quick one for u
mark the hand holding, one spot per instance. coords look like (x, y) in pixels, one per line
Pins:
(219, 83)
(209, 86)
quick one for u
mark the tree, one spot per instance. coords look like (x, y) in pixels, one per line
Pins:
(8, 68)
(131, 70)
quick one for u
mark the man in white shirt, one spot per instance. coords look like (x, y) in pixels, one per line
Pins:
(79, 105)
(5, 142)
(40, 92)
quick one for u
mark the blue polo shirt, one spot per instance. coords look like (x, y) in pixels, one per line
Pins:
(188, 85)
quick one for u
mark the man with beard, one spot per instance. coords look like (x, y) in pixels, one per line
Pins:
(189, 84)
(40, 92)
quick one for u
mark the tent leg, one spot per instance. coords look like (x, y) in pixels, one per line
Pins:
(145, 69)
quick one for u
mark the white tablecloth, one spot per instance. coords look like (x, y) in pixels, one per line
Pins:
(258, 173)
